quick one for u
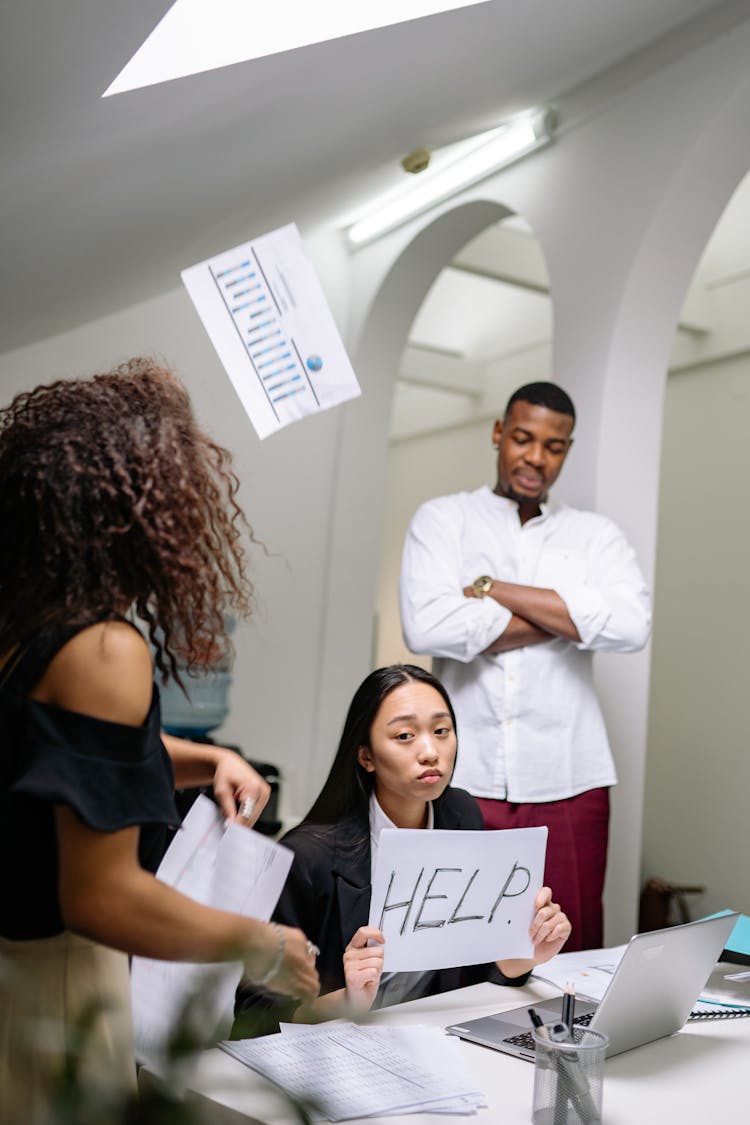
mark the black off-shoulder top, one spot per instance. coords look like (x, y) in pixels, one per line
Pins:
(112, 775)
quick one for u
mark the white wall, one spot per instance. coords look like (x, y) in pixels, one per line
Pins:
(698, 771)
(417, 470)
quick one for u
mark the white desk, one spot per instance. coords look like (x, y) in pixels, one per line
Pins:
(699, 1075)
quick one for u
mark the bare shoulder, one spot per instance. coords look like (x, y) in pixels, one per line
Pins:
(104, 671)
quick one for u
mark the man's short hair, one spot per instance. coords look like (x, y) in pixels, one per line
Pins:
(548, 395)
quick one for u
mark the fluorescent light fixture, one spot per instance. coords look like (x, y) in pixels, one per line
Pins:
(480, 156)
(198, 35)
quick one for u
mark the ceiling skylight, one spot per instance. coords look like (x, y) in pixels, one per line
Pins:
(198, 35)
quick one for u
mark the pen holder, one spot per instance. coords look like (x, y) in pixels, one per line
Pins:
(568, 1078)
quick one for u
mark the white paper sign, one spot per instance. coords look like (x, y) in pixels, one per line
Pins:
(231, 868)
(265, 311)
(444, 898)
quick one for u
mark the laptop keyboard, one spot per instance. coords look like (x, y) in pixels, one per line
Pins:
(526, 1038)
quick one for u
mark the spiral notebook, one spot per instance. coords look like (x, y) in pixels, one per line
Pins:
(651, 993)
(708, 1011)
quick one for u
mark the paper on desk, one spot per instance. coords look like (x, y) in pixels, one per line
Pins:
(447, 898)
(421, 1051)
(346, 1070)
(726, 988)
(231, 868)
(588, 971)
(264, 309)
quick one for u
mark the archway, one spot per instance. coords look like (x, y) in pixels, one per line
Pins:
(483, 329)
(357, 505)
(697, 767)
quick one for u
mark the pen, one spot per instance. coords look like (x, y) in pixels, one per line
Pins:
(555, 1032)
(569, 1006)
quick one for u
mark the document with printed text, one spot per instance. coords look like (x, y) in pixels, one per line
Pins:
(266, 314)
(345, 1070)
(226, 866)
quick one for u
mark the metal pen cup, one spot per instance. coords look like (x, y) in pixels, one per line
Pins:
(568, 1077)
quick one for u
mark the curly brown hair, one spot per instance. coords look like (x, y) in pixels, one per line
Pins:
(114, 499)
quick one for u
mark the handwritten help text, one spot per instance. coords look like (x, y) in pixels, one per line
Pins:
(446, 898)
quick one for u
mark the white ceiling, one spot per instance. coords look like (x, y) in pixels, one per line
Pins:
(102, 202)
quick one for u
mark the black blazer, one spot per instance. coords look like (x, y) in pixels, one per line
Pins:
(327, 896)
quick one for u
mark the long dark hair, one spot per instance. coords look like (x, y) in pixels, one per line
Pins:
(348, 785)
(114, 499)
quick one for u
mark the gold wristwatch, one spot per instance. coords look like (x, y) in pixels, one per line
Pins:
(482, 585)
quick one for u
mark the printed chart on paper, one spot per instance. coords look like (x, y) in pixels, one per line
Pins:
(265, 311)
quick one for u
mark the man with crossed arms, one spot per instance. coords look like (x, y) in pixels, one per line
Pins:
(512, 594)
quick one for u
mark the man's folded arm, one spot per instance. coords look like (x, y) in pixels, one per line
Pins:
(608, 610)
(436, 618)
(539, 607)
(612, 609)
(518, 633)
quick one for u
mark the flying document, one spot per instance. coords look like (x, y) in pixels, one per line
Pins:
(264, 309)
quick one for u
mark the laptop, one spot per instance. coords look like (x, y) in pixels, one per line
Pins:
(652, 991)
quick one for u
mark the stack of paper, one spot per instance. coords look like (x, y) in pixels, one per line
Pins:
(344, 1070)
(728, 986)
(588, 971)
(226, 866)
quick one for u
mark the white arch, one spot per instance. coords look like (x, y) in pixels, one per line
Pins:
(630, 432)
(362, 449)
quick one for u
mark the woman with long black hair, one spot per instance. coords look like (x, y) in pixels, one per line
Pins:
(392, 770)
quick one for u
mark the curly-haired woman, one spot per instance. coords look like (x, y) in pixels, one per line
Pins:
(114, 504)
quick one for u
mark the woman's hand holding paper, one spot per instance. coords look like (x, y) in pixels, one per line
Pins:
(363, 965)
(549, 931)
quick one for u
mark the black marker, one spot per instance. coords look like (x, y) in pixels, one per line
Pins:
(569, 1006)
(557, 1032)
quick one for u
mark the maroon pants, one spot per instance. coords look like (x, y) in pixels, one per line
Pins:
(576, 854)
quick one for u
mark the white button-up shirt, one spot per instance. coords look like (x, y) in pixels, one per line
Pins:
(529, 723)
